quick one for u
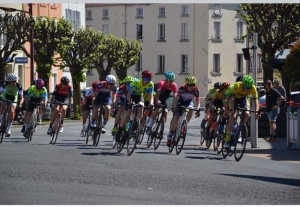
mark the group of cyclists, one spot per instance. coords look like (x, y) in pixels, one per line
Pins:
(224, 96)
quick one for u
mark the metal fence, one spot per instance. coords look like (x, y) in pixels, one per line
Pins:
(293, 128)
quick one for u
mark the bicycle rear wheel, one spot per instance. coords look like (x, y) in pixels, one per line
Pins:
(202, 131)
(87, 129)
(143, 129)
(150, 138)
(209, 140)
(32, 127)
(158, 133)
(56, 129)
(133, 136)
(240, 144)
(99, 129)
(3, 125)
(181, 137)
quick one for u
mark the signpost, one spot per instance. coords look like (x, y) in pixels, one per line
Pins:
(21, 60)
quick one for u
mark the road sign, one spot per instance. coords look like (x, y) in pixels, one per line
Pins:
(21, 60)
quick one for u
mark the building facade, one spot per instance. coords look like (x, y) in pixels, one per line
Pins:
(204, 40)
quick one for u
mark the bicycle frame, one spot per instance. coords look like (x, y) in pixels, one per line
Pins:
(5, 118)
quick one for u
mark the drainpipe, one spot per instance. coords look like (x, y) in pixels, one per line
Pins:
(125, 23)
(194, 23)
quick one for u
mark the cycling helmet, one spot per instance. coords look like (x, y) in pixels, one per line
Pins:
(11, 77)
(128, 79)
(65, 80)
(248, 81)
(110, 79)
(39, 83)
(190, 80)
(94, 85)
(147, 74)
(217, 85)
(239, 78)
(169, 75)
(225, 85)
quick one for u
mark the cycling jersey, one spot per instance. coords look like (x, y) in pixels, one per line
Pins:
(89, 93)
(186, 95)
(61, 93)
(103, 88)
(122, 92)
(237, 89)
(166, 90)
(139, 89)
(11, 92)
(218, 94)
(34, 93)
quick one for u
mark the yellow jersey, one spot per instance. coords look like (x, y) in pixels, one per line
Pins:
(237, 89)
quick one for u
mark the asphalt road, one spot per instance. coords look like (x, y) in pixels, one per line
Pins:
(72, 173)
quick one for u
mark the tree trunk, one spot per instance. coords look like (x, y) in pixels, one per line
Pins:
(102, 73)
(76, 98)
(286, 83)
(46, 81)
(268, 59)
(121, 73)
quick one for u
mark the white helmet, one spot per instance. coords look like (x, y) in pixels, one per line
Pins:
(11, 77)
(111, 79)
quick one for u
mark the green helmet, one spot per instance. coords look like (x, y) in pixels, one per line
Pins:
(128, 79)
(190, 80)
(248, 81)
(169, 75)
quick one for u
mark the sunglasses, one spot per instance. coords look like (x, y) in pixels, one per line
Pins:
(147, 79)
(247, 88)
(190, 85)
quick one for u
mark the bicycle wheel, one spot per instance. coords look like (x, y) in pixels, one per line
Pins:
(218, 141)
(121, 144)
(158, 133)
(3, 125)
(98, 129)
(150, 137)
(32, 125)
(56, 129)
(241, 142)
(181, 137)
(133, 136)
(209, 139)
(143, 129)
(202, 136)
(87, 129)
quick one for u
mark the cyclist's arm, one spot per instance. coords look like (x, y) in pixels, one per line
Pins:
(176, 99)
(157, 95)
(71, 96)
(129, 95)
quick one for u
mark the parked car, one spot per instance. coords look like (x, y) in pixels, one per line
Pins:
(295, 98)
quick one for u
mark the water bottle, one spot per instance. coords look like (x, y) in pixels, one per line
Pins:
(234, 130)
(128, 126)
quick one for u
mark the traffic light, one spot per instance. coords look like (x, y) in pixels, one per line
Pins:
(246, 53)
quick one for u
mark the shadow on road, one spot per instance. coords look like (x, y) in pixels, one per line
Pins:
(284, 181)
(13, 140)
(101, 153)
(153, 152)
(276, 154)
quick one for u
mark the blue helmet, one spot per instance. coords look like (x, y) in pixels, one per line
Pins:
(169, 75)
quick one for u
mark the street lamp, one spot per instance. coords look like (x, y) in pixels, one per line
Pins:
(31, 37)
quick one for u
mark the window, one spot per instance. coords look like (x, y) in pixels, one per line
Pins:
(139, 12)
(105, 13)
(216, 66)
(88, 14)
(53, 5)
(105, 28)
(184, 10)
(162, 11)
(160, 63)
(139, 64)
(184, 31)
(184, 64)
(217, 10)
(239, 32)
(73, 17)
(161, 32)
(238, 8)
(259, 57)
(139, 31)
(239, 63)
(217, 32)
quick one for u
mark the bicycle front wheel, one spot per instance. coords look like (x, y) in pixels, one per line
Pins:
(202, 131)
(98, 130)
(181, 137)
(133, 136)
(3, 126)
(55, 130)
(240, 144)
(158, 133)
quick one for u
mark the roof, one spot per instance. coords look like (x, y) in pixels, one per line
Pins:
(107, 5)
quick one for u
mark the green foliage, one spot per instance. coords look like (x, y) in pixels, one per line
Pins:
(292, 63)
(276, 24)
(128, 57)
(14, 29)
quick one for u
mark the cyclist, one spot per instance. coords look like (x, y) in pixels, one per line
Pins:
(121, 99)
(87, 106)
(102, 95)
(10, 90)
(235, 96)
(164, 89)
(35, 94)
(216, 102)
(184, 97)
(62, 91)
(211, 91)
(239, 78)
(137, 89)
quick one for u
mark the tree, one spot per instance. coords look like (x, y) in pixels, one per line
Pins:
(109, 52)
(276, 24)
(14, 29)
(76, 53)
(129, 56)
(292, 64)
(48, 33)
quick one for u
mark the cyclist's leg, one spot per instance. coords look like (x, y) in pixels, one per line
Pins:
(191, 112)
(55, 110)
(173, 124)
(29, 114)
(234, 102)
(106, 113)
(98, 100)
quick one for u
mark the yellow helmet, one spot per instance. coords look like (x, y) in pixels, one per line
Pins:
(190, 80)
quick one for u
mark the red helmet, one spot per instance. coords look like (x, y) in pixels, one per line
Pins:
(225, 85)
(147, 74)
(94, 85)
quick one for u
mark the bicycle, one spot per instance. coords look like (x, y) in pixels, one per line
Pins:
(33, 122)
(219, 137)
(181, 130)
(96, 131)
(240, 136)
(88, 128)
(119, 144)
(57, 123)
(144, 122)
(131, 131)
(158, 125)
(202, 131)
(6, 115)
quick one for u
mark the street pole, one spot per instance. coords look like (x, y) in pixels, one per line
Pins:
(254, 123)
(31, 47)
